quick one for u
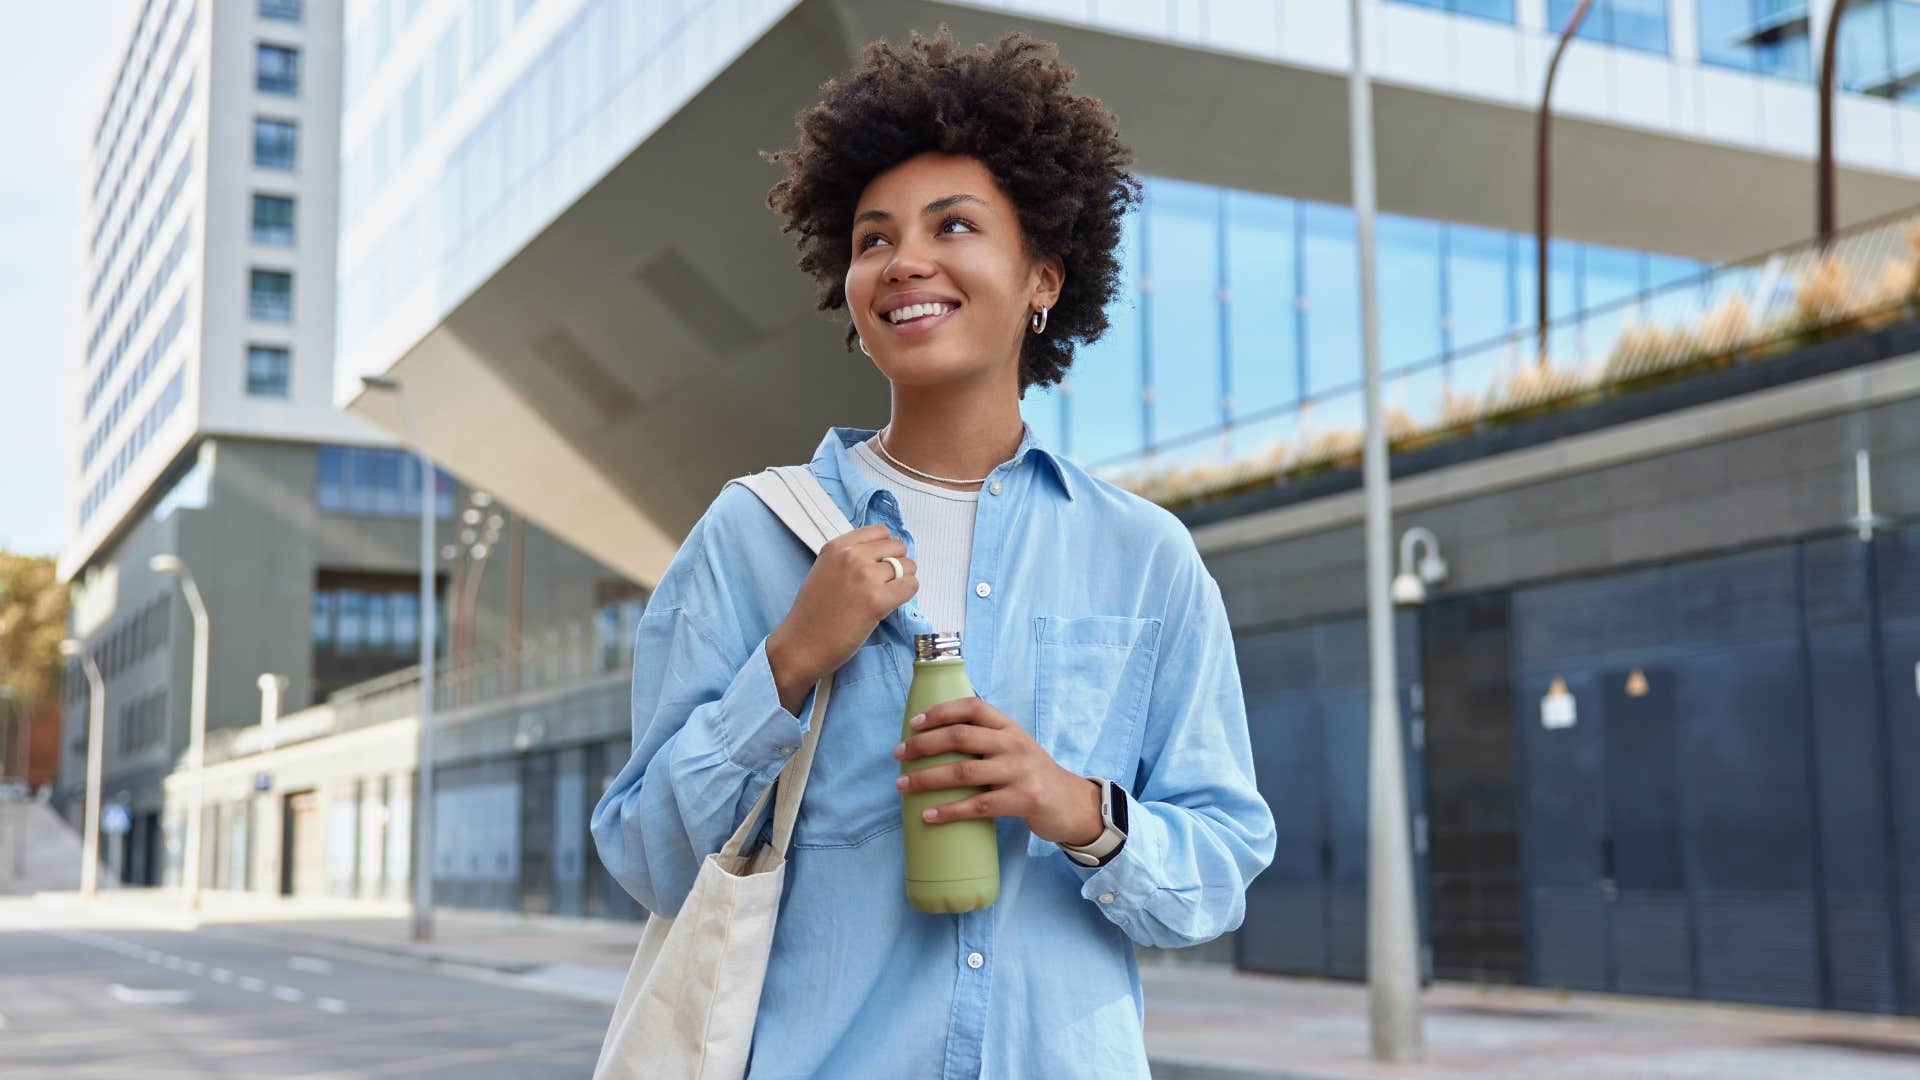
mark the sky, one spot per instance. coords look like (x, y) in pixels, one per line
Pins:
(55, 61)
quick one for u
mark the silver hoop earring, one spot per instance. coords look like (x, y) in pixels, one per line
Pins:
(1040, 321)
(863, 345)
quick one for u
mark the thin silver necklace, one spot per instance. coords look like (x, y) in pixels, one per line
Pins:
(880, 441)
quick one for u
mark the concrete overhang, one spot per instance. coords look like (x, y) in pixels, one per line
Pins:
(656, 339)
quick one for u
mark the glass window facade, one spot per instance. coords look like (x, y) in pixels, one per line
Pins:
(1879, 49)
(1634, 24)
(376, 481)
(275, 143)
(281, 10)
(1499, 10)
(1767, 37)
(270, 295)
(276, 69)
(272, 220)
(1238, 309)
(267, 371)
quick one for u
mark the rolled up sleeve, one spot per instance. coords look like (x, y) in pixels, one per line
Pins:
(1198, 830)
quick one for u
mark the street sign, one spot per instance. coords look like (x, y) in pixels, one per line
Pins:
(114, 820)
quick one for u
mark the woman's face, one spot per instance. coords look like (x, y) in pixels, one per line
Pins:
(935, 239)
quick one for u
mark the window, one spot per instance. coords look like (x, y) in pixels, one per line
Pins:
(322, 627)
(373, 480)
(266, 371)
(282, 10)
(275, 143)
(1635, 24)
(272, 220)
(1769, 37)
(352, 627)
(270, 295)
(1499, 10)
(1879, 49)
(276, 69)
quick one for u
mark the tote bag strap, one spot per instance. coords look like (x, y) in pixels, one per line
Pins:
(795, 496)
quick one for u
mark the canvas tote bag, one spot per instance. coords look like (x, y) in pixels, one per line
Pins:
(687, 1008)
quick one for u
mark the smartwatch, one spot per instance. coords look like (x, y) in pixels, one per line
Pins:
(1113, 834)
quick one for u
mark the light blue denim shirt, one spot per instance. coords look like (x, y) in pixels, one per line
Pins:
(1093, 623)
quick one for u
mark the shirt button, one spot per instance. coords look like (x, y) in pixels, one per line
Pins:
(974, 960)
(1106, 898)
(983, 589)
(993, 488)
(783, 749)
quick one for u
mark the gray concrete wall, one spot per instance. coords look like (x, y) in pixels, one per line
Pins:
(1788, 481)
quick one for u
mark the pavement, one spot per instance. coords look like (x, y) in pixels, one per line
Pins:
(1204, 1022)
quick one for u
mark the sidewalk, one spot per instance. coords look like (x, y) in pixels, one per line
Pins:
(1203, 1023)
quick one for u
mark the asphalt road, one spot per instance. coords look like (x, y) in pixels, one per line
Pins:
(232, 1003)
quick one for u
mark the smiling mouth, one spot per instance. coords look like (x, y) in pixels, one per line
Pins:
(919, 318)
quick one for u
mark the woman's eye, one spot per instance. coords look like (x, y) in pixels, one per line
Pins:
(956, 221)
(867, 241)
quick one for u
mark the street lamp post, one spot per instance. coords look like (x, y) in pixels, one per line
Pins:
(197, 721)
(1393, 986)
(1543, 169)
(422, 923)
(96, 734)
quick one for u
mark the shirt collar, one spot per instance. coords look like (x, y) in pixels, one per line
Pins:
(831, 461)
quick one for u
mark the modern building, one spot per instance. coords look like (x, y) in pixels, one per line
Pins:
(208, 428)
(1659, 711)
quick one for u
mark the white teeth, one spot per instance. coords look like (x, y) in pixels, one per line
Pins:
(914, 311)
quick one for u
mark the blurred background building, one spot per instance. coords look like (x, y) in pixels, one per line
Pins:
(208, 427)
(1661, 705)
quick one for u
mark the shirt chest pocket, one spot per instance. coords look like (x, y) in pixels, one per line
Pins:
(1092, 674)
(850, 795)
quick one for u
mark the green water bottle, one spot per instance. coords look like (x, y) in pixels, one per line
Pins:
(952, 866)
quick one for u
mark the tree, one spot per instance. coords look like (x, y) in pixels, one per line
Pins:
(33, 620)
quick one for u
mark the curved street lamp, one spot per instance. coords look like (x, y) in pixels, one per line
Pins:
(197, 729)
(96, 734)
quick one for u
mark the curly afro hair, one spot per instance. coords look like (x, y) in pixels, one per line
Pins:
(1057, 155)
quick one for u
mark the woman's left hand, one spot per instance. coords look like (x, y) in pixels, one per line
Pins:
(1024, 781)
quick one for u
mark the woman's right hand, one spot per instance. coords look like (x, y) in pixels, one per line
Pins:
(845, 595)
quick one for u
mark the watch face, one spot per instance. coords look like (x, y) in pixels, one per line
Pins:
(1117, 801)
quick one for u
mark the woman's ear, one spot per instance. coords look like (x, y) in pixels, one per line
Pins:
(1050, 275)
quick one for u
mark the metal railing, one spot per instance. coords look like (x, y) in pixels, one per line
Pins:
(1737, 313)
(562, 656)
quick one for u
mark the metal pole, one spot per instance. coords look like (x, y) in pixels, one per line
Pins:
(1824, 213)
(1543, 169)
(422, 921)
(96, 735)
(197, 738)
(1393, 985)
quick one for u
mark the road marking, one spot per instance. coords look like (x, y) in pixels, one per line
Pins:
(130, 996)
(325, 1004)
(251, 984)
(195, 967)
(174, 963)
(289, 994)
(220, 975)
(312, 964)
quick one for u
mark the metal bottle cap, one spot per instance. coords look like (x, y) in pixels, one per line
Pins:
(936, 646)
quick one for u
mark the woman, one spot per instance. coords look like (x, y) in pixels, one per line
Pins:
(965, 208)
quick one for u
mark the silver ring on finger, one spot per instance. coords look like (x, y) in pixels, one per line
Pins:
(899, 571)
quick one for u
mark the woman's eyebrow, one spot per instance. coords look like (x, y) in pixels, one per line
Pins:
(933, 207)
